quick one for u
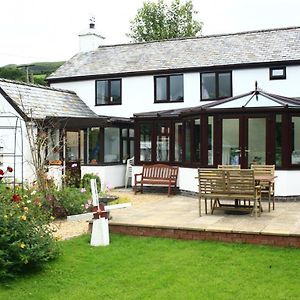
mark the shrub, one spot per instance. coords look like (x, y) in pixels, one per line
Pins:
(86, 181)
(71, 201)
(26, 239)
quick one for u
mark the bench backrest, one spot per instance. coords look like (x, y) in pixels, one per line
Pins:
(221, 181)
(240, 182)
(211, 181)
(229, 167)
(159, 171)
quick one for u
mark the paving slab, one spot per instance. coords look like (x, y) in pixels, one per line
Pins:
(157, 209)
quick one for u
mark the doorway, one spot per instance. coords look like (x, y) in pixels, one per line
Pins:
(243, 140)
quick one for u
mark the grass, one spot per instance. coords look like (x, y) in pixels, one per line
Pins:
(152, 268)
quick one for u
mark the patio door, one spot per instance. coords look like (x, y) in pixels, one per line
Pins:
(243, 140)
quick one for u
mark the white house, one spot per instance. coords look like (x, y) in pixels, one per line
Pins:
(168, 87)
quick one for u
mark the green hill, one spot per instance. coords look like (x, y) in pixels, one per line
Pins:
(38, 71)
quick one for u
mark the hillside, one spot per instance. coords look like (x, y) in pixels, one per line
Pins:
(37, 72)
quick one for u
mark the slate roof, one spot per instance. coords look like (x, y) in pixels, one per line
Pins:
(253, 47)
(39, 102)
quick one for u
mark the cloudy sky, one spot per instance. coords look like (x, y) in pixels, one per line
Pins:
(39, 30)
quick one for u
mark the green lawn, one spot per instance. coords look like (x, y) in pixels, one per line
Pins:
(151, 268)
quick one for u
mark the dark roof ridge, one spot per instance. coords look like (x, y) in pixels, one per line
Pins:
(36, 85)
(200, 37)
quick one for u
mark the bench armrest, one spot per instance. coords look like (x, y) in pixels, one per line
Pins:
(136, 175)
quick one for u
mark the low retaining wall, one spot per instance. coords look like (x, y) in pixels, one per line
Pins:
(190, 234)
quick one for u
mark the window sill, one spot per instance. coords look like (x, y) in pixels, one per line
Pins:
(167, 101)
(108, 104)
(214, 99)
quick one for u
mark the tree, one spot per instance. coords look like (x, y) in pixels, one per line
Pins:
(158, 21)
(12, 73)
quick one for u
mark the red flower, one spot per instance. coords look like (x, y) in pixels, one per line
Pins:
(37, 201)
(16, 198)
(1, 172)
(9, 169)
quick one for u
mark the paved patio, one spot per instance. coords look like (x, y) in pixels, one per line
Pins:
(156, 210)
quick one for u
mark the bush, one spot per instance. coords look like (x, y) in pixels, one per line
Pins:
(86, 181)
(26, 239)
(71, 201)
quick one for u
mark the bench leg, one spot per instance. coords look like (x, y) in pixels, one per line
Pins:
(169, 190)
(142, 188)
(135, 188)
(200, 213)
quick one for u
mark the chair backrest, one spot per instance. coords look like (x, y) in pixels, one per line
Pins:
(263, 169)
(94, 190)
(211, 181)
(129, 164)
(230, 167)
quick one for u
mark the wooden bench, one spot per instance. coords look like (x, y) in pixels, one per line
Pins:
(158, 174)
(221, 184)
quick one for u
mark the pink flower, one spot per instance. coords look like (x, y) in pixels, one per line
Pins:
(83, 190)
(87, 206)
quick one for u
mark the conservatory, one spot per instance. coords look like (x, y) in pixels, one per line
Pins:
(253, 128)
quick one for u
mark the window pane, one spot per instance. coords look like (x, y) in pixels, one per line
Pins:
(111, 144)
(278, 141)
(72, 146)
(210, 141)
(131, 132)
(145, 142)
(230, 142)
(161, 88)
(162, 142)
(178, 141)
(197, 140)
(124, 132)
(256, 141)
(131, 148)
(115, 91)
(176, 88)
(188, 141)
(124, 147)
(208, 86)
(296, 140)
(224, 85)
(102, 92)
(93, 145)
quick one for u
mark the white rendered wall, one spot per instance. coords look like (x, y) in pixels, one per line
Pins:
(137, 95)
(244, 81)
(7, 141)
(286, 183)
(110, 176)
(138, 91)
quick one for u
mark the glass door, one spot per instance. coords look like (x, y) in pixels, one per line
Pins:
(231, 152)
(255, 147)
(243, 141)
